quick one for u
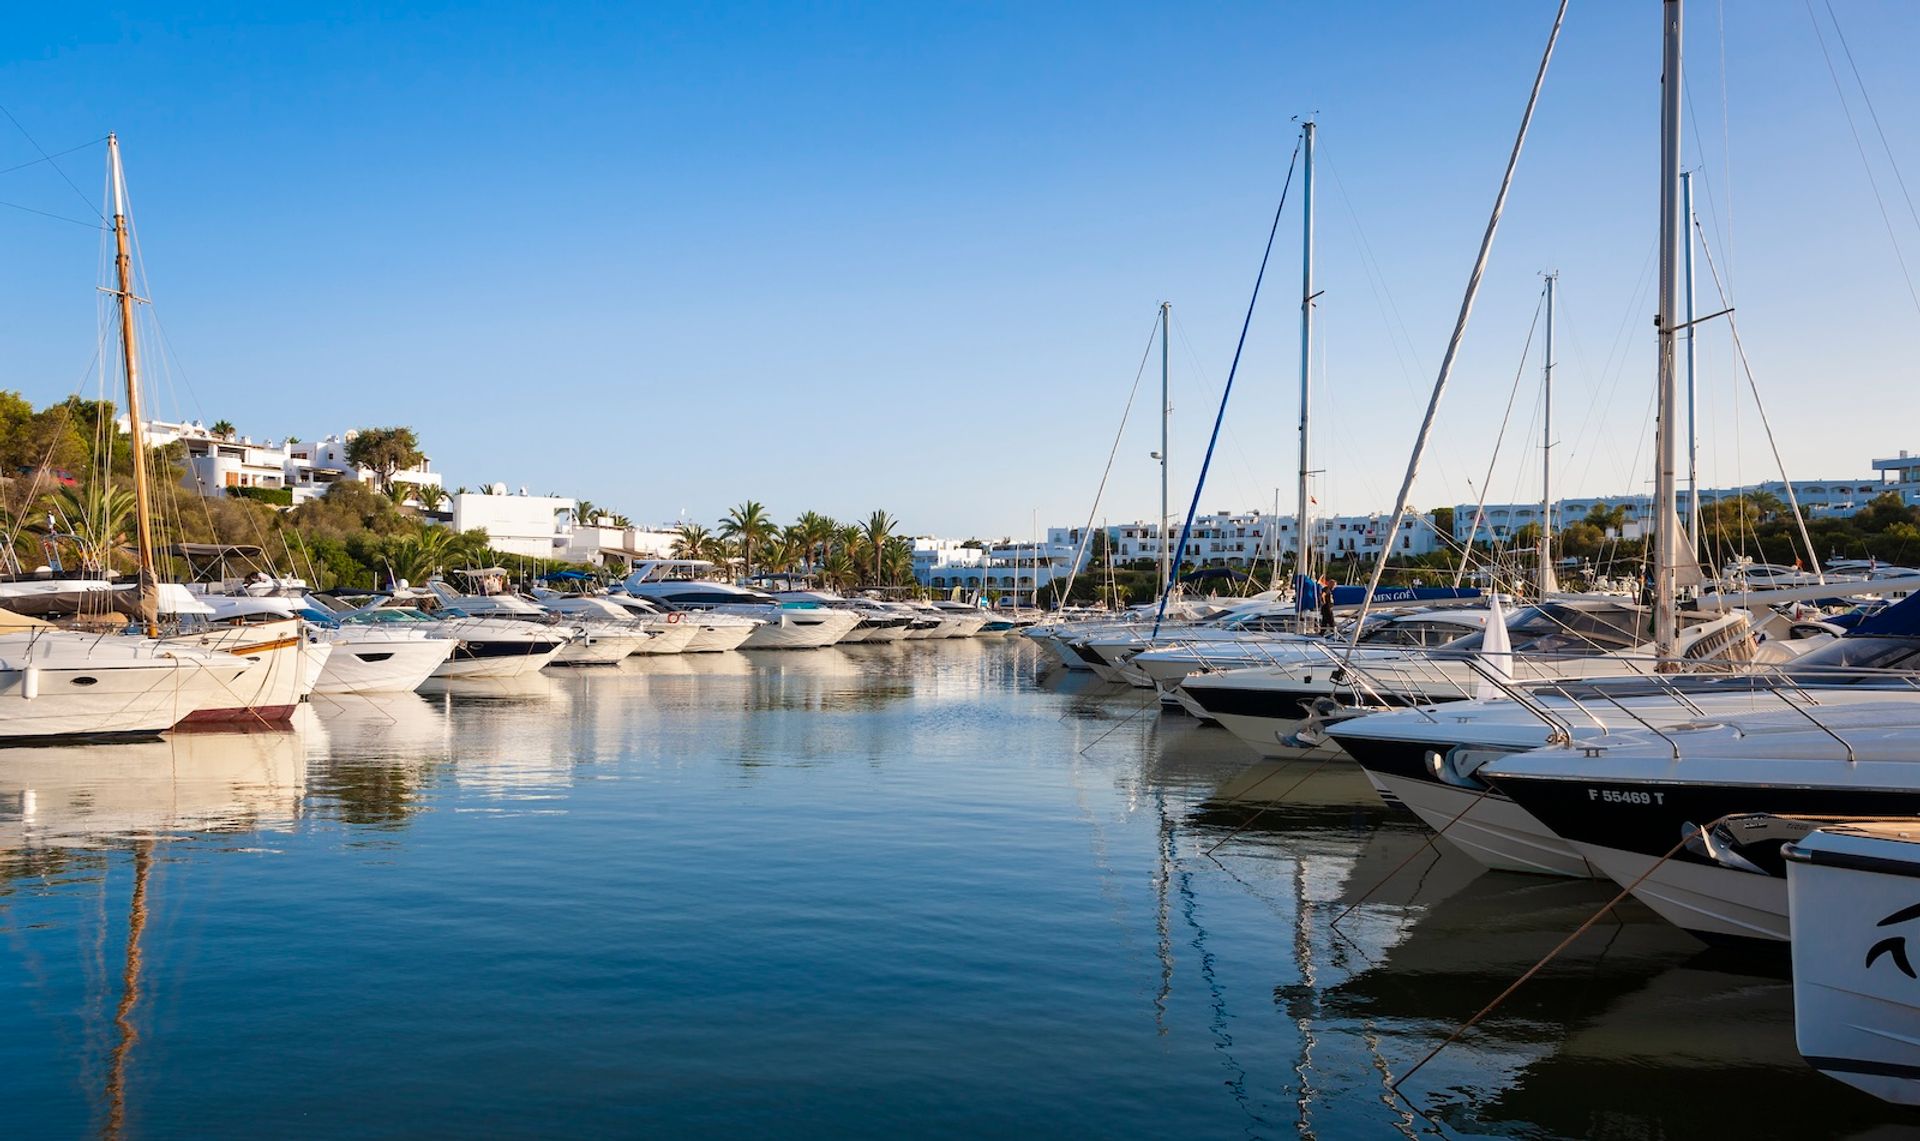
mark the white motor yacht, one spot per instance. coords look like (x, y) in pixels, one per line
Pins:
(490, 648)
(713, 631)
(879, 621)
(377, 657)
(1427, 759)
(591, 641)
(965, 621)
(1692, 818)
(794, 626)
(666, 633)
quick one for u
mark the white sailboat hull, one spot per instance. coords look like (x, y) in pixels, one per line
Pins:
(289, 667)
(61, 686)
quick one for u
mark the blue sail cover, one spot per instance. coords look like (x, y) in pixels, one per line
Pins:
(1308, 593)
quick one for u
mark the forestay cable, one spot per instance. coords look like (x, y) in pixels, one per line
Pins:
(1186, 529)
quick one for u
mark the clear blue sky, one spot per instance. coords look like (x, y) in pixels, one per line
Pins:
(844, 256)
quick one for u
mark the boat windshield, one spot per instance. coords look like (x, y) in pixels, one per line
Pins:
(388, 614)
(1558, 628)
(1426, 634)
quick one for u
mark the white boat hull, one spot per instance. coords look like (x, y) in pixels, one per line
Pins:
(1713, 902)
(58, 689)
(709, 638)
(600, 649)
(1494, 831)
(1856, 1006)
(498, 665)
(396, 666)
(669, 638)
(801, 630)
(289, 666)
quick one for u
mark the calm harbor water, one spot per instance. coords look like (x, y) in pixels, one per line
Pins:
(873, 891)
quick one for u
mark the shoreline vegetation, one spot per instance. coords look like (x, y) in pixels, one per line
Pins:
(66, 487)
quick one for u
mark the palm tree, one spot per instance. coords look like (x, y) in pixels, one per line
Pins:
(223, 429)
(838, 571)
(97, 517)
(747, 524)
(430, 496)
(897, 559)
(585, 511)
(691, 541)
(426, 550)
(879, 528)
(816, 534)
(621, 521)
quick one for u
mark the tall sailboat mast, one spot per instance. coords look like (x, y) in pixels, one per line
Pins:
(136, 428)
(1665, 578)
(1544, 579)
(1693, 423)
(1303, 561)
(1166, 409)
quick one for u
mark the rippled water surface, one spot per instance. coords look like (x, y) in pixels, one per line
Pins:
(873, 891)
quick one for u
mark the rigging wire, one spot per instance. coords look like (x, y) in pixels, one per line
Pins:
(1486, 484)
(1219, 416)
(57, 154)
(1086, 536)
(48, 159)
(1872, 183)
(1740, 351)
(1459, 328)
(1867, 98)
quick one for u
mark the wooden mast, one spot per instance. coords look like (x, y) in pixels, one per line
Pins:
(136, 428)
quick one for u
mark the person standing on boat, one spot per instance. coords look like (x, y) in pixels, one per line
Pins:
(1326, 603)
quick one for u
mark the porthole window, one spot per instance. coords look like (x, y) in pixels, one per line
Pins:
(86, 681)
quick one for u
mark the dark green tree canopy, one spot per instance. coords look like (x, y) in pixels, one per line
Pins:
(385, 450)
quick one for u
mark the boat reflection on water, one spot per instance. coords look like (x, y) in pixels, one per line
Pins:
(1631, 1031)
(64, 812)
(191, 782)
(380, 753)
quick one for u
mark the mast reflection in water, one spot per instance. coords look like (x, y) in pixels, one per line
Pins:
(873, 890)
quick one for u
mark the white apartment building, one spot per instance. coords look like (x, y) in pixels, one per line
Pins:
(1016, 570)
(221, 464)
(1238, 540)
(1818, 499)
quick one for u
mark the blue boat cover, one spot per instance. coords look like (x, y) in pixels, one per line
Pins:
(1901, 620)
